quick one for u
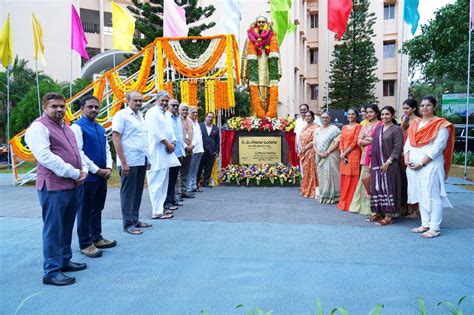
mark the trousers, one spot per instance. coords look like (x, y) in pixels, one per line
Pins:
(89, 215)
(191, 180)
(207, 161)
(158, 188)
(170, 195)
(131, 191)
(59, 210)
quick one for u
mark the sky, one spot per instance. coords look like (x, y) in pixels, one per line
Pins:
(427, 8)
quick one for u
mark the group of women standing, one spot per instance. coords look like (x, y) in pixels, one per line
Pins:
(379, 168)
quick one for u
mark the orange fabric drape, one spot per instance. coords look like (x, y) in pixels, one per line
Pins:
(419, 137)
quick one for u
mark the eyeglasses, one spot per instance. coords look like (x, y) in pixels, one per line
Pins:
(174, 105)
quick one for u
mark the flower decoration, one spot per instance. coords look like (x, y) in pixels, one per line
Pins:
(261, 174)
(253, 123)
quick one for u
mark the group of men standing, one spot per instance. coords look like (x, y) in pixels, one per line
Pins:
(168, 146)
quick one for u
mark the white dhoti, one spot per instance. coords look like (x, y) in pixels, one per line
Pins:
(158, 187)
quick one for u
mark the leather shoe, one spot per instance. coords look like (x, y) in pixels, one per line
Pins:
(72, 266)
(59, 280)
(187, 196)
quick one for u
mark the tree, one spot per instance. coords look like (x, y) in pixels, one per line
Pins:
(439, 53)
(352, 78)
(149, 22)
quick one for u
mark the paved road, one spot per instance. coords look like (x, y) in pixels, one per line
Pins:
(264, 247)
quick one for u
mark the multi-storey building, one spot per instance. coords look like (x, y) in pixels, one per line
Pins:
(305, 53)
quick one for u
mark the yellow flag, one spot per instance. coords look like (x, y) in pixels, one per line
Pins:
(6, 47)
(123, 24)
(38, 40)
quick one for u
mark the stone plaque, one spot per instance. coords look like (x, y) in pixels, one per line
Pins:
(260, 149)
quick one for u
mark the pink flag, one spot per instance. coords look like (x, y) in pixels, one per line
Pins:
(78, 38)
(174, 20)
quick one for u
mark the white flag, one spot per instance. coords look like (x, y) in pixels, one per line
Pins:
(230, 17)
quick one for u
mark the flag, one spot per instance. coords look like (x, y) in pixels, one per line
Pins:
(472, 15)
(78, 38)
(280, 13)
(411, 14)
(230, 17)
(123, 24)
(338, 14)
(38, 40)
(6, 47)
(174, 20)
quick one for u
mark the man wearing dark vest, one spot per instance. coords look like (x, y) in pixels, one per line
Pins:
(60, 175)
(211, 142)
(91, 139)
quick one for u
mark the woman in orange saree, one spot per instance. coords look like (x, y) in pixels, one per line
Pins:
(350, 160)
(308, 158)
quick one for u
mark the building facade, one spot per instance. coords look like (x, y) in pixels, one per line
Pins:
(305, 53)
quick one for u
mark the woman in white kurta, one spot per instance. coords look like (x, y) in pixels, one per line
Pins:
(428, 153)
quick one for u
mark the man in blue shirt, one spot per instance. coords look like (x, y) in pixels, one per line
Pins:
(91, 139)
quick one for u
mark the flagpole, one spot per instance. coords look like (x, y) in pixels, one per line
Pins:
(327, 71)
(468, 93)
(38, 88)
(70, 81)
(8, 117)
(400, 68)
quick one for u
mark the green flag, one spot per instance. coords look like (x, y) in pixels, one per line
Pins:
(280, 13)
(411, 14)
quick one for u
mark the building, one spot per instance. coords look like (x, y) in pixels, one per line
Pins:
(305, 53)
(55, 19)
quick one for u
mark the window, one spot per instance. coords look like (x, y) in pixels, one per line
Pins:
(313, 56)
(314, 92)
(389, 11)
(389, 88)
(90, 21)
(314, 20)
(389, 49)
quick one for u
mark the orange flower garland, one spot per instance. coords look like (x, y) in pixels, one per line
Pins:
(169, 88)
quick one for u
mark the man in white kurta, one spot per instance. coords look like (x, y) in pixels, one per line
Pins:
(161, 145)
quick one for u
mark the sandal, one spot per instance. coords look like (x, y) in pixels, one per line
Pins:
(143, 225)
(168, 212)
(431, 234)
(374, 218)
(162, 216)
(386, 221)
(173, 208)
(420, 229)
(134, 231)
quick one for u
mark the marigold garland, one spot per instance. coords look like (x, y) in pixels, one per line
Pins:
(219, 94)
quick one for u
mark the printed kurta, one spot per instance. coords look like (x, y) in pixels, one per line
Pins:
(327, 168)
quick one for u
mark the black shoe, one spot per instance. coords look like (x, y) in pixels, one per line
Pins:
(59, 280)
(72, 266)
(187, 195)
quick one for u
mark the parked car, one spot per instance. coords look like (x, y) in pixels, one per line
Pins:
(460, 142)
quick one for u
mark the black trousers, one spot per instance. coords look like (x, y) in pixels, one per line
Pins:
(89, 216)
(170, 194)
(131, 192)
(207, 161)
